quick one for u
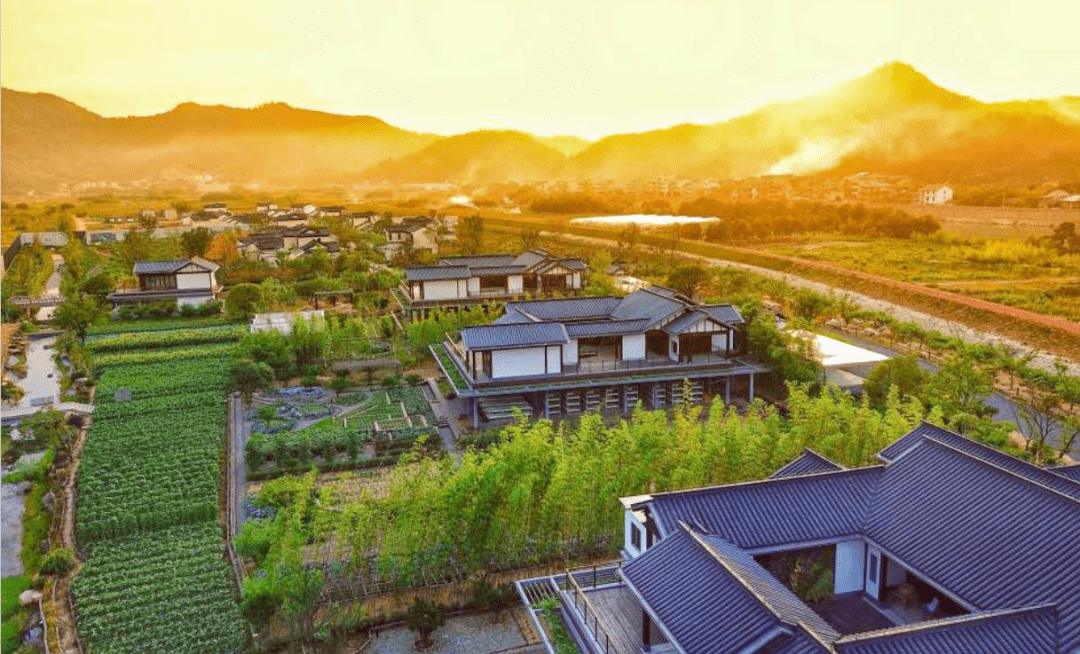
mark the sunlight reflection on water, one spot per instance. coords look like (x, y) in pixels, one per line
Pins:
(645, 220)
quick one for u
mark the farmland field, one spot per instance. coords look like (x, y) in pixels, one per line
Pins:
(147, 513)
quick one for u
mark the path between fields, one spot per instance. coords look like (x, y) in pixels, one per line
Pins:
(1042, 360)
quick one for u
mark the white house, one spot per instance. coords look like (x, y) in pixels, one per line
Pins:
(936, 194)
(187, 281)
(459, 281)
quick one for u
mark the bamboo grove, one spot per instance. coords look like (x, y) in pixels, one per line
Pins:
(543, 494)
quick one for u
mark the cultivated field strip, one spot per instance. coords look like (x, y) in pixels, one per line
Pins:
(155, 578)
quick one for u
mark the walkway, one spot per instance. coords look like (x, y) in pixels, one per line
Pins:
(52, 288)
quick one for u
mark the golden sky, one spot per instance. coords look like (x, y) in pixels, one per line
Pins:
(585, 67)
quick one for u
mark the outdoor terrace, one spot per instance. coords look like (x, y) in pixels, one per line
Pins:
(603, 364)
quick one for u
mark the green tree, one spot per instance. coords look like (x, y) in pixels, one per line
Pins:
(196, 242)
(530, 237)
(250, 376)
(424, 618)
(902, 372)
(959, 388)
(243, 301)
(77, 314)
(472, 233)
(689, 279)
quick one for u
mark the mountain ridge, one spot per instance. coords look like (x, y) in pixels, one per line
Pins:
(894, 119)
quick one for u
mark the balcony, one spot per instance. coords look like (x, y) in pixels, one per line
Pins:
(603, 365)
(405, 297)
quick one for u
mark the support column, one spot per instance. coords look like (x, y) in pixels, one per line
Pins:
(646, 634)
(727, 390)
(475, 412)
(751, 387)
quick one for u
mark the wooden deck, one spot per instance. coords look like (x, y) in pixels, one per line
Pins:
(619, 615)
(852, 614)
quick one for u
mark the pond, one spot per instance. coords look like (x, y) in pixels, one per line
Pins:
(644, 220)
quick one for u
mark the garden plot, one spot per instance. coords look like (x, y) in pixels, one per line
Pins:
(296, 429)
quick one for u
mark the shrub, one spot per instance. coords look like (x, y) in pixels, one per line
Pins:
(59, 561)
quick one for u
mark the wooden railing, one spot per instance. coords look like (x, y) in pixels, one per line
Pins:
(587, 612)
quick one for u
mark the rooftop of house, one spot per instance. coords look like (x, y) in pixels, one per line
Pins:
(997, 534)
(644, 309)
(173, 266)
(535, 261)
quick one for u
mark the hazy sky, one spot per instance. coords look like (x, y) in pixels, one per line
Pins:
(585, 67)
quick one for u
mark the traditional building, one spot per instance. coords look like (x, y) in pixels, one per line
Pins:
(947, 546)
(936, 194)
(293, 242)
(187, 281)
(565, 356)
(485, 279)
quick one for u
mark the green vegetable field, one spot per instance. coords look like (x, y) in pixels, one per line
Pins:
(155, 577)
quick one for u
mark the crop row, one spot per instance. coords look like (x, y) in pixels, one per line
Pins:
(147, 326)
(138, 357)
(155, 578)
(156, 340)
(167, 591)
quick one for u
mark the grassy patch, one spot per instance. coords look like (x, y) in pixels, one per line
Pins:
(35, 528)
(14, 615)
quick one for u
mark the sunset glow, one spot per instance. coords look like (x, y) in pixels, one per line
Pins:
(553, 67)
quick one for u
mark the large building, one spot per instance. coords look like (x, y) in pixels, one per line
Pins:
(565, 356)
(947, 546)
(185, 281)
(465, 281)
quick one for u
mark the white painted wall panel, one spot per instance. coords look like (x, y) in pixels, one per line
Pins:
(514, 284)
(193, 280)
(554, 359)
(474, 285)
(441, 289)
(633, 347)
(849, 572)
(569, 352)
(517, 363)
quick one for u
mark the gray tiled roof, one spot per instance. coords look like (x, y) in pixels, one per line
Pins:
(989, 535)
(686, 321)
(725, 313)
(432, 273)
(480, 260)
(776, 511)
(807, 463)
(647, 303)
(530, 258)
(1029, 630)
(495, 337)
(1060, 483)
(605, 328)
(1068, 471)
(159, 267)
(512, 317)
(710, 596)
(582, 308)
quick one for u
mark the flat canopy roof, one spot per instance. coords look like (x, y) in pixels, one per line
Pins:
(834, 353)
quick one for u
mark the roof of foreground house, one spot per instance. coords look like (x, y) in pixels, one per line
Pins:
(165, 267)
(806, 463)
(999, 535)
(535, 261)
(496, 337)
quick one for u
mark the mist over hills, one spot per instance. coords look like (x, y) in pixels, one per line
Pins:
(892, 120)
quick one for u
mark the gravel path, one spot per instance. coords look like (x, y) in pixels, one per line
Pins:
(1042, 360)
(467, 634)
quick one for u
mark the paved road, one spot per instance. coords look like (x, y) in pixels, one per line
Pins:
(1006, 408)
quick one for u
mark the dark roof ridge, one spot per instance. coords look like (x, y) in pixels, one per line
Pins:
(934, 624)
(745, 583)
(757, 482)
(933, 441)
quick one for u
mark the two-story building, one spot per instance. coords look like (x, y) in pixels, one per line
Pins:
(464, 281)
(185, 281)
(947, 546)
(413, 233)
(566, 356)
(936, 194)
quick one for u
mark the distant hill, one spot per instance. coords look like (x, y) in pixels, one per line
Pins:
(568, 145)
(48, 140)
(894, 120)
(483, 156)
